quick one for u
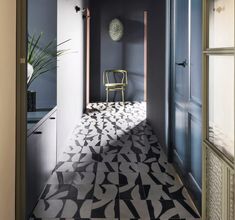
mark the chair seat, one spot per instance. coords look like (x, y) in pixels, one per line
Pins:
(115, 85)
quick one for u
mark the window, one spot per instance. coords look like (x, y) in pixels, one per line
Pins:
(220, 75)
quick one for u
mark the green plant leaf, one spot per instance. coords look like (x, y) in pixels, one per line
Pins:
(43, 59)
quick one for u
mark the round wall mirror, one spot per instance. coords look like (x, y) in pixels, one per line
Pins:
(116, 30)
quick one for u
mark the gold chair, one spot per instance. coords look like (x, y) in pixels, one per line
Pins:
(115, 80)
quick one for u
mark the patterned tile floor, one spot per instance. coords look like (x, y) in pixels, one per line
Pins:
(114, 168)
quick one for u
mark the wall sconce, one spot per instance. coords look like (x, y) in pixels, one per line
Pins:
(77, 9)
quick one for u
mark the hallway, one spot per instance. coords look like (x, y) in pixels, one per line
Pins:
(114, 168)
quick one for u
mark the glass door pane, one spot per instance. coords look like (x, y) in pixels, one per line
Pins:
(221, 103)
(221, 23)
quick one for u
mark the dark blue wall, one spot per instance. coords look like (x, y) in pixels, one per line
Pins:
(126, 54)
(108, 54)
(42, 17)
(157, 109)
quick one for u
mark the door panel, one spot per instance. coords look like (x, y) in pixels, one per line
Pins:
(196, 52)
(181, 49)
(195, 103)
(181, 79)
(180, 133)
(196, 149)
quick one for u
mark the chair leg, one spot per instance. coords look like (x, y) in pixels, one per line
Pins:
(107, 96)
(123, 98)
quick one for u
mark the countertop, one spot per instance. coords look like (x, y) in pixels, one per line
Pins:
(34, 117)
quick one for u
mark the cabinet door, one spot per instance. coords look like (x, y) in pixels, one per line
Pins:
(41, 160)
(47, 152)
(33, 183)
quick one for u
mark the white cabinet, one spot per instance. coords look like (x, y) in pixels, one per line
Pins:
(41, 157)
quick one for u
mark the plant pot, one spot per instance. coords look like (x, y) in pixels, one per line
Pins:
(31, 101)
(30, 71)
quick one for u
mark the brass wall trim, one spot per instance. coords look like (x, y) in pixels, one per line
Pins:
(223, 49)
(223, 52)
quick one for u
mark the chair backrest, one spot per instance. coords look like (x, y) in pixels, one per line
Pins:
(115, 76)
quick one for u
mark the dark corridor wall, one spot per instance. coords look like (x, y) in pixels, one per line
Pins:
(126, 54)
(46, 84)
(158, 81)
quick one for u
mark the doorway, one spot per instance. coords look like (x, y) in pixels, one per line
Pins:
(51, 129)
(186, 101)
(128, 53)
(72, 8)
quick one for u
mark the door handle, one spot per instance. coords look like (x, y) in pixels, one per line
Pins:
(37, 132)
(183, 64)
(52, 118)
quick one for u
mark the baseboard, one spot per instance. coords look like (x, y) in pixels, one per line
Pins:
(190, 183)
(195, 191)
(178, 163)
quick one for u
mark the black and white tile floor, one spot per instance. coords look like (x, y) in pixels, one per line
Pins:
(114, 168)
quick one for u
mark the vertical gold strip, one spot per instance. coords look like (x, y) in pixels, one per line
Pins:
(88, 26)
(233, 173)
(204, 109)
(21, 109)
(145, 53)
(233, 209)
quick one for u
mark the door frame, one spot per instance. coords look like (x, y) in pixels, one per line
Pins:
(227, 164)
(21, 107)
(21, 97)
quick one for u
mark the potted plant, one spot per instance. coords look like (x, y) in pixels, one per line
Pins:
(39, 61)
